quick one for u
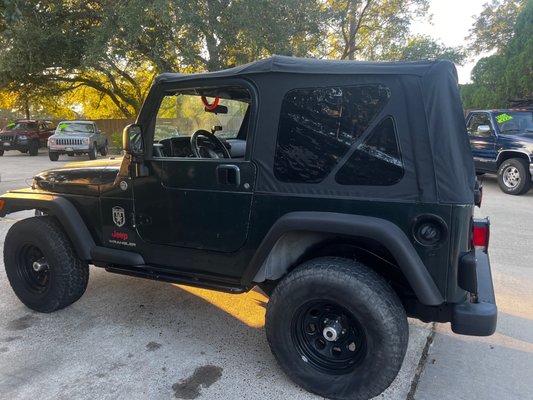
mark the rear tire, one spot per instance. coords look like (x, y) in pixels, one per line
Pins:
(337, 329)
(1, 152)
(33, 148)
(514, 177)
(42, 266)
(53, 156)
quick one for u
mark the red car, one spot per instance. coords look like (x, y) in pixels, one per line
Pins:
(25, 135)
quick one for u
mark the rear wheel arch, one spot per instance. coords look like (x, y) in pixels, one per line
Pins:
(300, 236)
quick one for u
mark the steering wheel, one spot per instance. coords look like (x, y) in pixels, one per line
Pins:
(204, 151)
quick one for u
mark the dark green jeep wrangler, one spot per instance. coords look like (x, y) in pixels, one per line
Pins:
(344, 190)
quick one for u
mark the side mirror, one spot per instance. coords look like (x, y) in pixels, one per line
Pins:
(483, 129)
(132, 141)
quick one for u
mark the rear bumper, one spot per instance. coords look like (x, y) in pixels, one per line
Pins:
(478, 318)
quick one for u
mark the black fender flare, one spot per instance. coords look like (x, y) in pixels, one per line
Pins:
(380, 230)
(71, 221)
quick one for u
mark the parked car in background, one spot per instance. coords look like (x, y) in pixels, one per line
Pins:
(502, 143)
(77, 137)
(25, 135)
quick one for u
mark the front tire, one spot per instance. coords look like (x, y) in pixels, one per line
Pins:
(92, 152)
(53, 156)
(42, 266)
(337, 329)
(104, 150)
(514, 177)
(1, 152)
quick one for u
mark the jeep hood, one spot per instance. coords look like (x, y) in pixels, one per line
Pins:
(82, 178)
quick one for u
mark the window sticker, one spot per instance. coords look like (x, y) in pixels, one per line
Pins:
(62, 126)
(10, 125)
(503, 118)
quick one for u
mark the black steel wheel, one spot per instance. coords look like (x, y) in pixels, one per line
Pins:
(42, 266)
(329, 337)
(33, 268)
(337, 329)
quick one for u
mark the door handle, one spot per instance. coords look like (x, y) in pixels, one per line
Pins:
(228, 174)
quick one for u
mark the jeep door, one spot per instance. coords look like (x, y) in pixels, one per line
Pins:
(482, 141)
(185, 201)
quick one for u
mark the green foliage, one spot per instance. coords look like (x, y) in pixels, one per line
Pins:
(425, 48)
(508, 74)
(494, 27)
(97, 59)
(370, 29)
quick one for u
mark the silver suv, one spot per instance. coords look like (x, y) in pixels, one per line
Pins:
(77, 137)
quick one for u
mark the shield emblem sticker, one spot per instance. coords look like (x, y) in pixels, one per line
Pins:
(119, 217)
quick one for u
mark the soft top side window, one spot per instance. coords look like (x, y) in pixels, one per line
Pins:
(376, 161)
(319, 125)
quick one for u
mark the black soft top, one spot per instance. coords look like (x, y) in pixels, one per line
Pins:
(295, 65)
(440, 166)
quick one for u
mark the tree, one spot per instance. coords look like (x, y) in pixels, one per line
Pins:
(426, 48)
(508, 74)
(9, 12)
(494, 27)
(519, 71)
(108, 46)
(369, 29)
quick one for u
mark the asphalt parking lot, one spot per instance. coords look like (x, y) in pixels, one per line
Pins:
(137, 339)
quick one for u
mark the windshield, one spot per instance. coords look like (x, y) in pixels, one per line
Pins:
(74, 128)
(510, 122)
(21, 126)
(183, 114)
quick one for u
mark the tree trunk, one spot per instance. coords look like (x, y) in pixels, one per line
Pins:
(27, 108)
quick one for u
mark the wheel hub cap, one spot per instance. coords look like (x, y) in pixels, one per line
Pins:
(332, 331)
(511, 177)
(40, 265)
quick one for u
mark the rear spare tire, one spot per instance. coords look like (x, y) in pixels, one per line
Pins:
(42, 266)
(337, 329)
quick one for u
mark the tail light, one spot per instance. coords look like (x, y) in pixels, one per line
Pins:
(481, 233)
